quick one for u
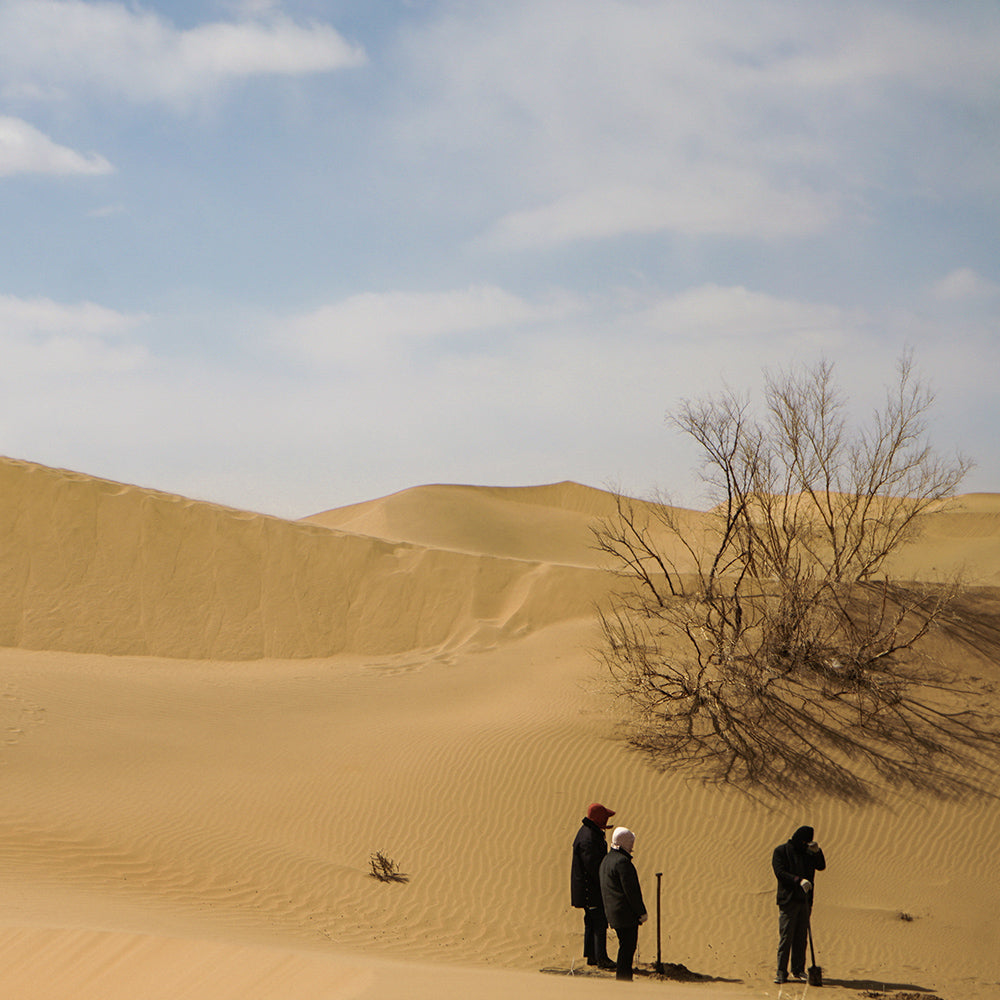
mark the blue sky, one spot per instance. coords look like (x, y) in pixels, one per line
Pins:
(288, 256)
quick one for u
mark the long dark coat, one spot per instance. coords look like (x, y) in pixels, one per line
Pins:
(589, 849)
(620, 890)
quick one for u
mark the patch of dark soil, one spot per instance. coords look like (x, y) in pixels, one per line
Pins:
(678, 973)
(874, 995)
(668, 972)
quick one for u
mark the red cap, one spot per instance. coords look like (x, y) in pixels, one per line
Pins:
(599, 814)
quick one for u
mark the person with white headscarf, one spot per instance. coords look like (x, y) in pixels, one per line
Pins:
(622, 896)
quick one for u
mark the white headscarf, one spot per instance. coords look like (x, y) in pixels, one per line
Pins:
(624, 838)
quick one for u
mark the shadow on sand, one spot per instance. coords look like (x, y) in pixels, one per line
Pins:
(880, 988)
(675, 973)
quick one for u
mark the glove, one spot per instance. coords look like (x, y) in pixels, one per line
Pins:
(643, 918)
(806, 885)
(813, 848)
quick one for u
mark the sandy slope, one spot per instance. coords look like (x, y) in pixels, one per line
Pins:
(550, 523)
(201, 826)
(90, 565)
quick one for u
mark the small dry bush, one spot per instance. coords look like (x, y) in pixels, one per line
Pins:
(385, 869)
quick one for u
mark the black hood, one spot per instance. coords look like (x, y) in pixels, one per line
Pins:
(802, 836)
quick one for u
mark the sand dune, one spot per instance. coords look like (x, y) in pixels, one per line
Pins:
(964, 537)
(88, 565)
(550, 523)
(210, 719)
(553, 524)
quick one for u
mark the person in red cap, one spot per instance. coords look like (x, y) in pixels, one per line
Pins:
(589, 849)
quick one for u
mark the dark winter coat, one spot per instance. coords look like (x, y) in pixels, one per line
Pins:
(792, 862)
(589, 849)
(620, 890)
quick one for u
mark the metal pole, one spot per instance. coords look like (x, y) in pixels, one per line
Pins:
(659, 958)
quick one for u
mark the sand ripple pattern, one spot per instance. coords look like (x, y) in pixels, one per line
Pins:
(210, 719)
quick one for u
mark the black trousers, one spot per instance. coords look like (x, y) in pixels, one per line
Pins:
(628, 940)
(595, 936)
(793, 934)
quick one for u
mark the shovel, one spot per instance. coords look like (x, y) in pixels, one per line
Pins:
(814, 973)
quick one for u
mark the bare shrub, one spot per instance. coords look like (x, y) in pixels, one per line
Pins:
(385, 869)
(773, 647)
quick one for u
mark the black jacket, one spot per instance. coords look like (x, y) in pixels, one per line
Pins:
(792, 862)
(620, 889)
(589, 849)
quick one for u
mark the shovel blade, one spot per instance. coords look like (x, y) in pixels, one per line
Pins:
(815, 975)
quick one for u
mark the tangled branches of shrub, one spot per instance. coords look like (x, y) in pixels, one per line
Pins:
(773, 648)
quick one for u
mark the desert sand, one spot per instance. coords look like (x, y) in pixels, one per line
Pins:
(211, 719)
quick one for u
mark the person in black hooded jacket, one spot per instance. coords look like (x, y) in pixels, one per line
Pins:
(795, 864)
(589, 849)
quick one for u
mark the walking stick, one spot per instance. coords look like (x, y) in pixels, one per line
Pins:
(659, 960)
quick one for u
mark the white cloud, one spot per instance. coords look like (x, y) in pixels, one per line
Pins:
(608, 117)
(26, 150)
(42, 315)
(374, 327)
(104, 211)
(41, 338)
(739, 203)
(217, 51)
(858, 46)
(562, 388)
(963, 284)
(711, 312)
(253, 8)
(64, 46)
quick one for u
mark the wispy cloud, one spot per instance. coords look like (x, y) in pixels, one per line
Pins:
(372, 327)
(59, 47)
(765, 120)
(965, 283)
(735, 203)
(711, 312)
(40, 337)
(106, 211)
(26, 150)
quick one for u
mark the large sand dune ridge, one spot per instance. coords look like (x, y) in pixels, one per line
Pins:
(88, 565)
